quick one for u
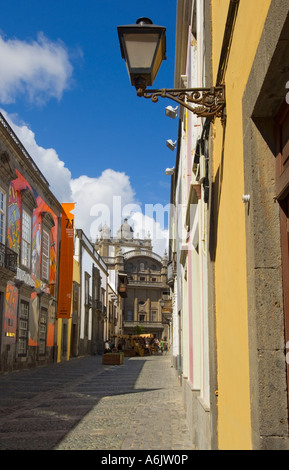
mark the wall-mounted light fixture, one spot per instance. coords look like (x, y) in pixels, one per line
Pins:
(171, 145)
(143, 46)
(170, 171)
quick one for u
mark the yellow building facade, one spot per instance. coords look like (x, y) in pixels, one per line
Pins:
(230, 273)
(234, 410)
(249, 181)
(67, 343)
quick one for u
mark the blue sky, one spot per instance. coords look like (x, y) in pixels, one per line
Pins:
(76, 108)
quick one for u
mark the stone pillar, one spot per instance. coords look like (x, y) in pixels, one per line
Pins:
(148, 309)
(135, 312)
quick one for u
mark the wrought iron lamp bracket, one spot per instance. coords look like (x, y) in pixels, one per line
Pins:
(210, 102)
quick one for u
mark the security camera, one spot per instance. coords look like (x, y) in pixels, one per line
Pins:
(171, 145)
(172, 112)
(170, 171)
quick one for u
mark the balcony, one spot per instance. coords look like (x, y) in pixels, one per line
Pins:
(172, 271)
(99, 306)
(8, 258)
(145, 283)
(122, 289)
(148, 325)
(88, 300)
(122, 286)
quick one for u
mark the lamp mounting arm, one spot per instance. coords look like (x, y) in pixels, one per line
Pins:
(210, 102)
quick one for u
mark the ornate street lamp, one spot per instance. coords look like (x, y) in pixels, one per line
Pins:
(143, 46)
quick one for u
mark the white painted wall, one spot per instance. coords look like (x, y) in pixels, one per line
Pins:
(87, 263)
(194, 327)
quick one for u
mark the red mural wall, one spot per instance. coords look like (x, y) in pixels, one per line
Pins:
(10, 313)
(32, 278)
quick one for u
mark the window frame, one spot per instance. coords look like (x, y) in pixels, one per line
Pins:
(87, 288)
(3, 212)
(23, 337)
(129, 315)
(43, 323)
(142, 317)
(26, 242)
(46, 227)
(45, 257)
(28, 203)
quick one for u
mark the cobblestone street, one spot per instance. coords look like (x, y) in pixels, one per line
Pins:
(84, 405)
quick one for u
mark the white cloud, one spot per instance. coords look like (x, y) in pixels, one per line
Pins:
(107, 198)
(47, 160)
(144, 225)
(38, 69)
(41, 70)
(100, 200)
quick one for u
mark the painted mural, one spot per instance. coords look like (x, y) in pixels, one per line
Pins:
(14, 210)
(14, 228)
(10, 316)
(32, 278)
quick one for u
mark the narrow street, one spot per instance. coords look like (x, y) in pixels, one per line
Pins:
(84, 405)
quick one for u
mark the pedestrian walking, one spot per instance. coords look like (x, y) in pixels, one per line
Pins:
(106, 347)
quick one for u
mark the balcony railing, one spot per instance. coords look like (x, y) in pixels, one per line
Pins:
(151, 283)
(8, 258)
(98, 305)
(145, 324)
(172, 272)
(88, 300)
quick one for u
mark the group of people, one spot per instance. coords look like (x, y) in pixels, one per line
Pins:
(146, 345)
(110, 347)
(162, 345)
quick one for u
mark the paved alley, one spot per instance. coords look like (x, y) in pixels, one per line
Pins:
(84, 405)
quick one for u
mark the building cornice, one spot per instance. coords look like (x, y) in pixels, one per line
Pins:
(184, 11)
(26, 160)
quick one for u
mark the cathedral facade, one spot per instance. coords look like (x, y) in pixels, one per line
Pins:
(140, 277)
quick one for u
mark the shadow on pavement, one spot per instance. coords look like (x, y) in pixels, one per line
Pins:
(40, 406)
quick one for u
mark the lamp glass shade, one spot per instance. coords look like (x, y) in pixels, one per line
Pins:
(140, 50)
(143, 46)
